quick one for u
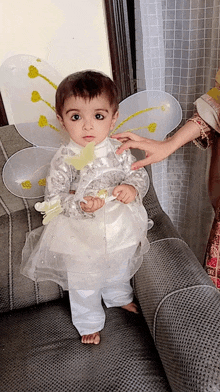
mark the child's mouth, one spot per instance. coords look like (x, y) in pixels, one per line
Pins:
(88, 137)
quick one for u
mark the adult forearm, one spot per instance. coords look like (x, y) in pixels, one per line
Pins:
(185, 134)
(156, 150)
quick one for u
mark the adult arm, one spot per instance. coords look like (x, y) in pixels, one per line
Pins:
(156, 151)
(198, 128)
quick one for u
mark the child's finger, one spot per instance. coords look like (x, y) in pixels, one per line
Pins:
(127, 199)
(122, 195)
(98, 203)
(117, 190)
(88, 205)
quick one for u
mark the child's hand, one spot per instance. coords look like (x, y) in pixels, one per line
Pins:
(93, 204)
(125, 193)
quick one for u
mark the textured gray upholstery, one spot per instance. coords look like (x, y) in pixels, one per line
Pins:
(181, 307)
(172, 345)
(17, 216)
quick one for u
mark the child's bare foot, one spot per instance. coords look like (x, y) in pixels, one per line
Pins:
(93, 338)
(131, 307)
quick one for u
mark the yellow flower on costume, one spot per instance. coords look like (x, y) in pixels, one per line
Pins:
(86, 156)
(103, 193)
(50, 209)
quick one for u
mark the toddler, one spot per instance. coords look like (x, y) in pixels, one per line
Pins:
(95, 224)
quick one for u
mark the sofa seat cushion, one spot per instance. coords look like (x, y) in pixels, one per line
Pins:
(41, 351)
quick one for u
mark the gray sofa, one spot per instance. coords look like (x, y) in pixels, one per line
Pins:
(172, 345)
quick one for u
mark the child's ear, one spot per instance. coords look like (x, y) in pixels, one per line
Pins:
(59, 118)
(114, 119)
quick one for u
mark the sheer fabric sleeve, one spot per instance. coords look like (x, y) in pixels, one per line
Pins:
(58, 182)
(139, 179)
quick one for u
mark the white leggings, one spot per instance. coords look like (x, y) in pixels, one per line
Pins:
(88, 315)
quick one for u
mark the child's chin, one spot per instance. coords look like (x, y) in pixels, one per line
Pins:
(89, 140)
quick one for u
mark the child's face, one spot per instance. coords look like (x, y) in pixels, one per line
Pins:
(88, 120)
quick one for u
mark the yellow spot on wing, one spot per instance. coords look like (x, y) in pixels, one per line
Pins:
(33, 73)
(152, 127)
(136, 114)
(42, 122)
(42, 182)
(26, 184)
(86, 156)
(35, 97)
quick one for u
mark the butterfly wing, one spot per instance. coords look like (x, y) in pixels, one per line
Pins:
(24, 173)
(151, 114)
(28, 86)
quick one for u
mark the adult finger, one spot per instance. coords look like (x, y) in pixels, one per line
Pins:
(128, 145)
(127, 135)
(144, 162)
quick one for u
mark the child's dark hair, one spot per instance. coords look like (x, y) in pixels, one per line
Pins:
(87, 85)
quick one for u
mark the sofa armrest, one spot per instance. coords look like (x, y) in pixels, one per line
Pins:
(181, 307)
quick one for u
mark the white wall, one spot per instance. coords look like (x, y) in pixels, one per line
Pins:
(69, 34)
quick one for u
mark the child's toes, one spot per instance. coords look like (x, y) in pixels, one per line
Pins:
(97, 338)
(93, 338)
(132, 307)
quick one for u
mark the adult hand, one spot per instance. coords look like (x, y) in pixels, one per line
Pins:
(93, 204)
(155, 151)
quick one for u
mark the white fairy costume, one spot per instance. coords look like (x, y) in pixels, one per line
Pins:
(92, 255)
(82, 250)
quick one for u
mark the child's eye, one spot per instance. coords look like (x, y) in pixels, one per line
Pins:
(75, 117)
(99, 116)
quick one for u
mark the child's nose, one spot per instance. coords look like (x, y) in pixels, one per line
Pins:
(88, 124)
